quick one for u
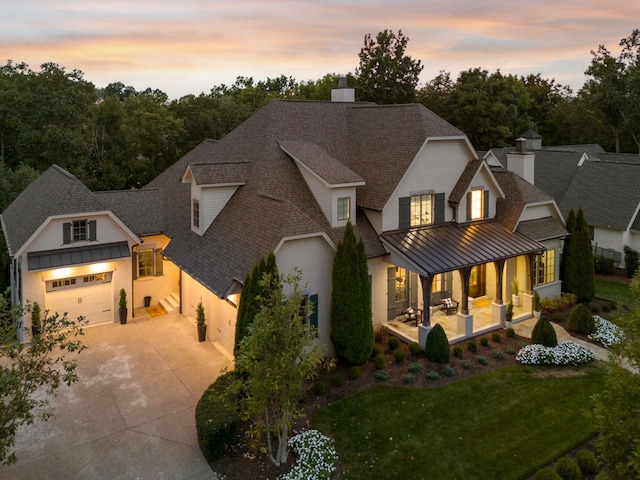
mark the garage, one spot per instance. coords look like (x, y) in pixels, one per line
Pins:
(90, 296)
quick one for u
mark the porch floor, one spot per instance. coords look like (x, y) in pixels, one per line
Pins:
(482, 322)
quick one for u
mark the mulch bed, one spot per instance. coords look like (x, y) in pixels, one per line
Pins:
(245, 461)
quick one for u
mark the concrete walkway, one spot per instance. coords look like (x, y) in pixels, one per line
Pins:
(525, 328)
(131, 414)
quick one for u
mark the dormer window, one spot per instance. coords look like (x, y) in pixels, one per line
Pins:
(477, 204)
(79, 231)
(196, 213)
(344, 208)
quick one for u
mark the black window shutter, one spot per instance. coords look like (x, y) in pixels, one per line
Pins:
(485, 202)
(391, 293)
(404, 213)
(313, 319)
(468, 206)
(159, 264)
(66, 233)
(92, 231)
(134, 265)
(438, 204)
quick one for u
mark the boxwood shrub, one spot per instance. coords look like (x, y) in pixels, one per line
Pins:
(217, 418)
(380, 362)
(437, 347)
(581, 320)
(415, 348)
(547, 473)
(587, 462)
(393, 343)
(568, 469)
(543, 333)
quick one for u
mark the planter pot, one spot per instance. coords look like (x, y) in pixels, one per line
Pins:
(516, 300)
(536, 314)
(202, 332)
(509, 324)
(123, 315)
(35, 331)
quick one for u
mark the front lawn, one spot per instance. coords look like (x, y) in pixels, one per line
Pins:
(506, 424)
(617, 292)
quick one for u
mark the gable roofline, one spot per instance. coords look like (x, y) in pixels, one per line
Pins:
(133, 237)
(466, 177)
(289, 238)
(207, 174)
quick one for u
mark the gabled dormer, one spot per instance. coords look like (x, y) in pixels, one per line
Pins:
(476, 192)
(212, 186)
(332, 183)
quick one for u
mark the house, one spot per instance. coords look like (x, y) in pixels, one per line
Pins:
(436, 221)
(604, 185)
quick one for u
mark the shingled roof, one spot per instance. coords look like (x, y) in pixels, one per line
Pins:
(55, 192)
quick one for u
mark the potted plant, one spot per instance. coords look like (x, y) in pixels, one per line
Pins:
(536, 304)
(35, 319)
(201, 323)
(515, 292)
(122, 306)
(509, 315)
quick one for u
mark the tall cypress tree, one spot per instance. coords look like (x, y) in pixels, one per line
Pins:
(571, 226)
(351, 327)
(580, 269)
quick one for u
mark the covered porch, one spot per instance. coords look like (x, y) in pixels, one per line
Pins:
(435, 250)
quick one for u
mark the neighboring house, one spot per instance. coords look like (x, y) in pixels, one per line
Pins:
(433, 216)
(605, 185)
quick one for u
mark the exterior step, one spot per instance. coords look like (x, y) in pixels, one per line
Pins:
(171, 303)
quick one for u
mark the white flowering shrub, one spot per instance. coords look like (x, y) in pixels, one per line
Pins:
(606, 332)
(317, 456)
(565, 353)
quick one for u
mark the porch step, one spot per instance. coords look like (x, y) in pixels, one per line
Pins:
(171, 303)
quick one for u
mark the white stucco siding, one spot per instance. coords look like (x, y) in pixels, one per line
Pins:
(607, 238)
(379, 291)
(51, 236)
(436, 168)
(156, 287)
(220, 315)
(482, 180)
(313, 256)
(212, 201)
(532, 212)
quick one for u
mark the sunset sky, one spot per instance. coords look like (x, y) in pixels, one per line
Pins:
(189, 46)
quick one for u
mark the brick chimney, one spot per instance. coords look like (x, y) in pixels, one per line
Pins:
(343, 93)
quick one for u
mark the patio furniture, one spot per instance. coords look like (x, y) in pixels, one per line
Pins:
(442, 301)
(412, 315)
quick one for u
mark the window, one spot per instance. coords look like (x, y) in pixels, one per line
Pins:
(196, 213)
(544, 268)
(344, 208)
(79, 231)
(477, 209)
(149, 263)
(309, 311)
(421, 209)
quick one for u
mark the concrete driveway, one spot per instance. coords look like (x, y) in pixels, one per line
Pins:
(131, 414)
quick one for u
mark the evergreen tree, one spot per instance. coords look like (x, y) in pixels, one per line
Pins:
(252, 292)
(571, 226)
(579, 268)
(351, 327)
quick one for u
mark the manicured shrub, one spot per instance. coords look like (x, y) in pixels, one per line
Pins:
(511, 350)
(380, 362)
(495, 337)
(437, 348)
(543, 333)
(408, 378)
(581, 320)
(482, 360)
(497, 353)
(376, 350)
(415, 348)
(587, 462)
(217, 418)
(466, 364)
(631, 261)
(612, 306)
(414, 367)
(319, 387)
(602, 265)
(509, 333)
(354, 372)
(606, 308)
(393, 343)
(568, 469)
(432, 375)
(471, 346)
(337, 380)
(457, 351)
(399, 354)
(558, 317)
(382, 375)
(547, 473)
(595, 309)
(448, 371)
(484, 341)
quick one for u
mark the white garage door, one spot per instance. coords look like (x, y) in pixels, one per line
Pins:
(89, 296)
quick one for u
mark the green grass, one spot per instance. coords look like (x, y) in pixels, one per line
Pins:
(620, 293)
(503, 424)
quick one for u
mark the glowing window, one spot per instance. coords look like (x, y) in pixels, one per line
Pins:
(421, 209)
(477, 204)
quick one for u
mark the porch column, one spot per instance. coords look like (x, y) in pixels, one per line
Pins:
(426, 281)
(530, 271)
(499, 265)
(465, 274)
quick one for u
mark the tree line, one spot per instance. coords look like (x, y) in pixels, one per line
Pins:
(118, 137)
